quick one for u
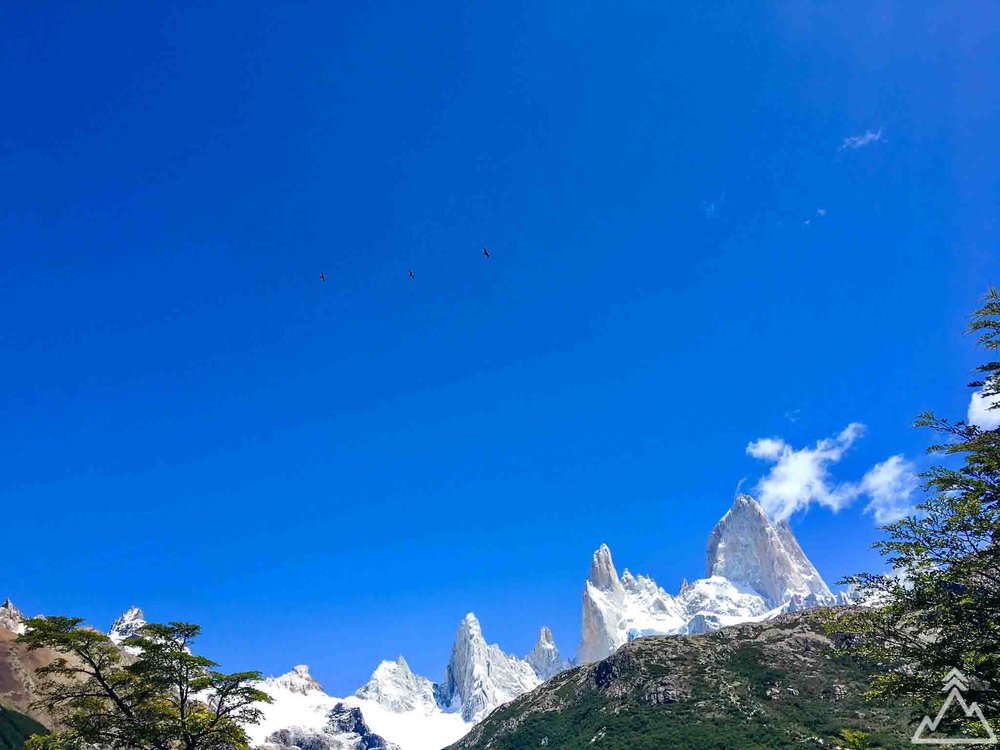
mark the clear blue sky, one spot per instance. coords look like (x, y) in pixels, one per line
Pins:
(335, 473)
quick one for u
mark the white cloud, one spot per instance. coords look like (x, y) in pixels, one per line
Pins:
(801, 477)
(890, 486)
(860, 141)
(980, 413)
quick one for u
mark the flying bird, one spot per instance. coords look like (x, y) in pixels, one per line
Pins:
(411, 274)
(486, 252)
(322, 276)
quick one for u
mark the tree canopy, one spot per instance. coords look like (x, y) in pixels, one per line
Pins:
(940, 607)
(163, 698)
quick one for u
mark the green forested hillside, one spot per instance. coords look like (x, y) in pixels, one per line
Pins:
(770, 685)
(15, 728)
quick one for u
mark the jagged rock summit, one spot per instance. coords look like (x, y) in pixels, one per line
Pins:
(11, 618)
(127, 626)
(402, 707)
(756, 569)
(746, 548)
(544, 657)
(394, 686)
(481, 677)
(297, 681)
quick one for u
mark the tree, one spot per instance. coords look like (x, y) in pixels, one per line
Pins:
(940, 609)
(166, 698)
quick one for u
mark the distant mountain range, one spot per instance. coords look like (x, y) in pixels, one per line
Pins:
(755, 571)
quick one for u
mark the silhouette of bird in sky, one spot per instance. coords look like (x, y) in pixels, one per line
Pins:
(322, 276)
(486, 252)
(411, 274)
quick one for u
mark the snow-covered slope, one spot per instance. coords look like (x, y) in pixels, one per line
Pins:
(402, 707)
(394, 687)
(481, 677)
(345, 729)
(300, 703)
(756, 569)
(11, 618)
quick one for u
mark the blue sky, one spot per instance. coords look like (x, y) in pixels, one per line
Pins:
(688, 255)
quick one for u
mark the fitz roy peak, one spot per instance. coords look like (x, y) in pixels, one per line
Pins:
(755, 570)
(748, 549)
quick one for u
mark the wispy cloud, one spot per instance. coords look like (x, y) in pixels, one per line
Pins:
(800, 477)
(890, 486)
(980, 413)
(860, 141)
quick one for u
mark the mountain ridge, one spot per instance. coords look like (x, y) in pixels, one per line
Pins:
(756, 570)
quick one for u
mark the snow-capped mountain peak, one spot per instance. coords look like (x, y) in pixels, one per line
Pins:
(128, 625)
(544, 657)
(756, 569)
(603, 575)
(394, 686)
(749, 550)
(11, 618)
(298, 680)
(480, 677)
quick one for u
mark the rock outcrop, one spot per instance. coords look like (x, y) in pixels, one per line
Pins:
(11, 618)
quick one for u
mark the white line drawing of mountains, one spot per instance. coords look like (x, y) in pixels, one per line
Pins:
(956, 681)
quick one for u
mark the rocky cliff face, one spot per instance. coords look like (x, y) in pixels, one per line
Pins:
(603, 609)
(747, 549)
(544, 657)
(11, 618)
(480, 677)
(19, 686)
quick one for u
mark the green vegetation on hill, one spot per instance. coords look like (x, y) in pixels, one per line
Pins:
(15, 728)
(761, 685)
